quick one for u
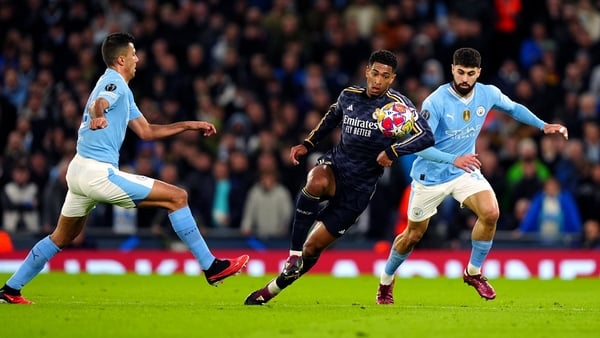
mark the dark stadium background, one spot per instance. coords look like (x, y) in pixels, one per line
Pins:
(264, 72)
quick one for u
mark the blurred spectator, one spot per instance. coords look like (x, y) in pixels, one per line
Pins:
(507, 20)
(572, 167)
(591, 234)
(199, 182)
(291, 75)
(589, 17)
(513, 219)
(552, 216)
(24, 129)
(160, 221)
(8, 120)
(432, 75)
(14, 151)
(591, 141)
(365, 15)
(594, 84)
(545, 93)
(116, 12)
(241, 178)
(490, 168)
(268, 208)
(53, 197)
(222, 189)
(535, 45)
(587, 111)
(524, 178)
(13, 88)
(588, 194)
(20, 202)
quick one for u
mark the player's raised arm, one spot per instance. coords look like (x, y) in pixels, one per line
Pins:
(328, 122)
(522, 114)
(149, 132)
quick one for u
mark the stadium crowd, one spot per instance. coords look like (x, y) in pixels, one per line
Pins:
(265, 71)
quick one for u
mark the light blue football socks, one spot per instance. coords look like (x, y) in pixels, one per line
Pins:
(392, 264)
(479, 252)
(35, 261)
(186, 228)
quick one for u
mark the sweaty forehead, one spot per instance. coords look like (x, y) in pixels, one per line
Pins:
(382, 68)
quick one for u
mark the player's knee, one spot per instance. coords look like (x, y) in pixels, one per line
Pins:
(316, 186)
(490, 216)
(320, 180)
(179, 198)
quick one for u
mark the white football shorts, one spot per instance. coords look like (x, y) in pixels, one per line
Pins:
(91, 181)
(424, 199)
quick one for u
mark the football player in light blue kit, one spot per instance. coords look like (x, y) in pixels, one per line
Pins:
(456, 112)
(94, 176)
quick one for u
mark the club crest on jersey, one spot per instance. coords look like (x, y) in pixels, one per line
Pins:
(466, 115)
(110, 87)
(480, 111)
(417, 212)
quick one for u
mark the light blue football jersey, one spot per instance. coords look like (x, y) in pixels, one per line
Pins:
(104, 144)
(456, 122)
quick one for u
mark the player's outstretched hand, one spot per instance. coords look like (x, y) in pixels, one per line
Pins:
(468, 163)
(296, 152)
(384, 160)
(208, 128)
(552, 128)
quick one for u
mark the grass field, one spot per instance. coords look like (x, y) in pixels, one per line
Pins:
(316, 306)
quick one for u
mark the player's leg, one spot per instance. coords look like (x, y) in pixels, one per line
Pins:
(68, 227)
(475, 193)
(320, 184)
(318, 239)
(340, 214)
(423, 204)
(175, 200)
(402, 247)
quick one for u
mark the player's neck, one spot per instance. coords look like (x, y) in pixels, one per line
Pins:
(374, 96)
(121, 72)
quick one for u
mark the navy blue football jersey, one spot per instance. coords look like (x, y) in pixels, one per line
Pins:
(354, 158)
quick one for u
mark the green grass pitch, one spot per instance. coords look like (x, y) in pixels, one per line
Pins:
(317, 306)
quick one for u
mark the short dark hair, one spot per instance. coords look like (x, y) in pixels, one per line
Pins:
(113, 45)
(467, 57)
(385, 57)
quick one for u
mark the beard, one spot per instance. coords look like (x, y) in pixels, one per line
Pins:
(461, 90)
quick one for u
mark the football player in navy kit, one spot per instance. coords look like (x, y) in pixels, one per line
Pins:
(346, 176)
